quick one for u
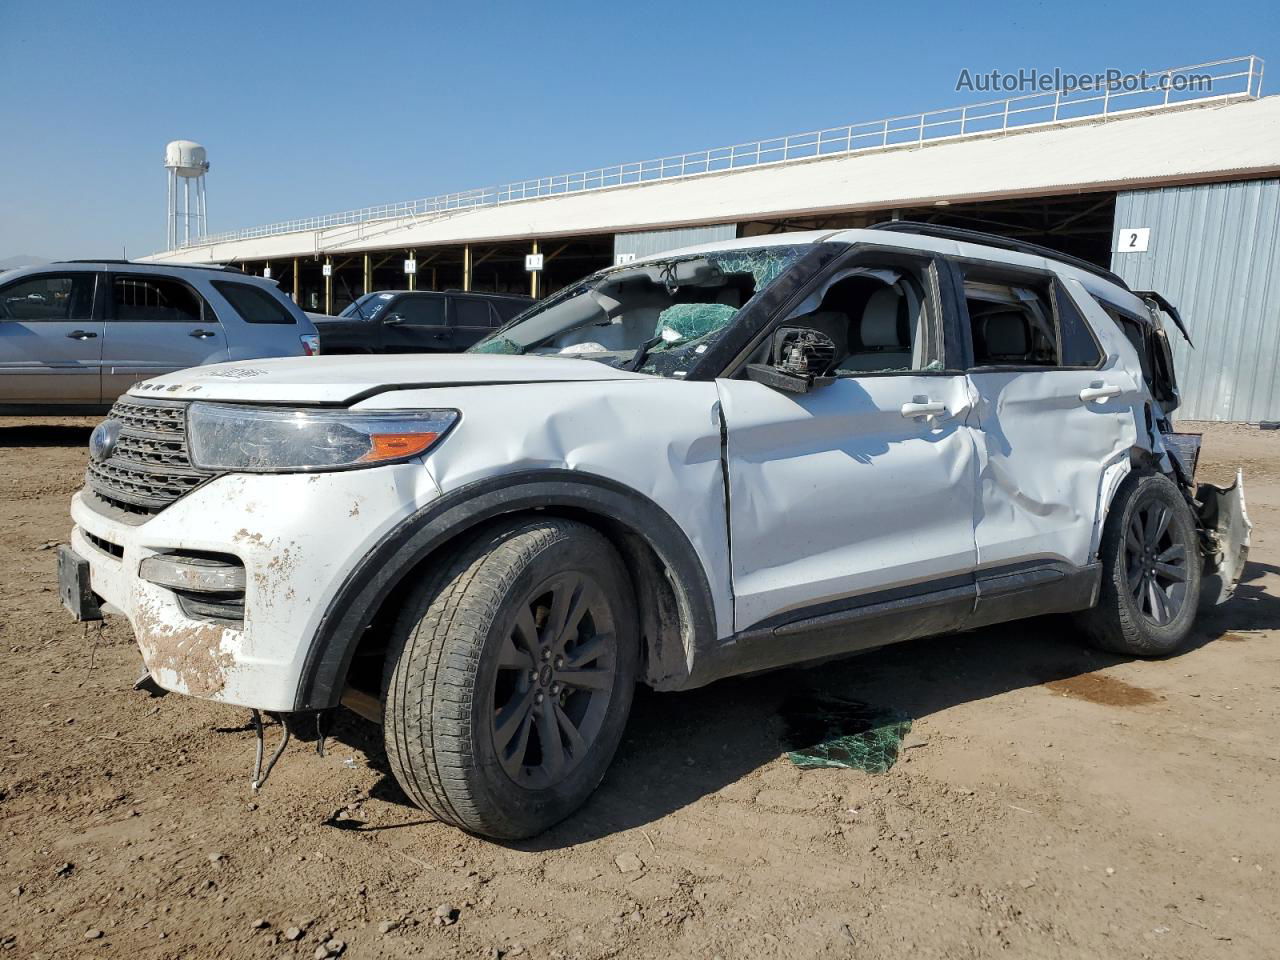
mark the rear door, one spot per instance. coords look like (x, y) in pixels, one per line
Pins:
(51, 339)
(155, 325)
(1057, 410)
(474, 318)
(416, 323)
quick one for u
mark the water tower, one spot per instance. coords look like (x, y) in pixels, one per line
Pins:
(186, 161)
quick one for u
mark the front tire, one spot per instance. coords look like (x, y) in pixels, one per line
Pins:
(510, 677)
(1151, 570)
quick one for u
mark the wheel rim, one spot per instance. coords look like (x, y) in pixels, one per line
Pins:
(1156, 562)
(554, 680)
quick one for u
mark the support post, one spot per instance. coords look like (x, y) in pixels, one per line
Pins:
(328, 286)
(534, 275)
(413, 277)
(466, 266)
(297, 284)
(368, 275)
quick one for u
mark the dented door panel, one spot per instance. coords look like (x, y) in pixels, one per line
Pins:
(836, 493)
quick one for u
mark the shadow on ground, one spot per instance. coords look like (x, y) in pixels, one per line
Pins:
(45, 435)
(681, 747)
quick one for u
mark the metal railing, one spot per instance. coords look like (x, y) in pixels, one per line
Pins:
(1237, 77)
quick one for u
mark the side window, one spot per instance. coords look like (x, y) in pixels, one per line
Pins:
(254, 304)
(140, 299)
(470, 313)
(1133, 333)
(1012, 323)
(879, 320)
(49, 297)
(420, 311)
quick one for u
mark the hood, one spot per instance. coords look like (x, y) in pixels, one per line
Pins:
(345, 379)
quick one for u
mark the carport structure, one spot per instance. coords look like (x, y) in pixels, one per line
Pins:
(1053, 168)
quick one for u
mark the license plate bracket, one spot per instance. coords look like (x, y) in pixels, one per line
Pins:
(74, 587)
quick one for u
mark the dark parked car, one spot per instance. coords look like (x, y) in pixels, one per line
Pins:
(416, 321)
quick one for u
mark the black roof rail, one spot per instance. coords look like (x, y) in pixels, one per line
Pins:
(995, 240)
(135, 263)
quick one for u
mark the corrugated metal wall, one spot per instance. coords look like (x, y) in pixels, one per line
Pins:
(1214, 252)
(648, 242)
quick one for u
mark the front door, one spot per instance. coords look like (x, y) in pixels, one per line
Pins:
(50, 340)
(416, 323)
(156, 325)
(862, 487)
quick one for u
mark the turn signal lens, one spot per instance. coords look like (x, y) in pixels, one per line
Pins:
(395, 446)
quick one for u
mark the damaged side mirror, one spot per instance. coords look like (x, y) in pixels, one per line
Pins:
(803, 357)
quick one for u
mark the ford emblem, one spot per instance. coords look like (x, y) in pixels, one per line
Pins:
(102, 442)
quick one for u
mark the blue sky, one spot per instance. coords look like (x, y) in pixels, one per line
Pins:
(309, 108)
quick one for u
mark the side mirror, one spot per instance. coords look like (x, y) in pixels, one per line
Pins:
(393, 320)
(802, 359)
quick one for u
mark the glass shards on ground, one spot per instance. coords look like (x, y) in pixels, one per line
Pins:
(825, 731)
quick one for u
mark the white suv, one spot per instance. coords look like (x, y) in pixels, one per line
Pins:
(727, 459)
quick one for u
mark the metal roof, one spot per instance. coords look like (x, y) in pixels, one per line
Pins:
(1208, 141)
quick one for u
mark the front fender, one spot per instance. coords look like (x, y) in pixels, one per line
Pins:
(434, 526)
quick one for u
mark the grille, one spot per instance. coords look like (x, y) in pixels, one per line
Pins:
(149, 467)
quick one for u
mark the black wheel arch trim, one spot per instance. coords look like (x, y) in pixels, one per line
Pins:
(352, 607)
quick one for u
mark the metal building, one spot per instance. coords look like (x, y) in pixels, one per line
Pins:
(1214, 251)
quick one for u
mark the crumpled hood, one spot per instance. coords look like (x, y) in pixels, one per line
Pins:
(344, 379)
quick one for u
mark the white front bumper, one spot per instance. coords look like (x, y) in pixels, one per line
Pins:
(298, 535)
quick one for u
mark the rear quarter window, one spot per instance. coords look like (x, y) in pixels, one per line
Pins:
(253, 304)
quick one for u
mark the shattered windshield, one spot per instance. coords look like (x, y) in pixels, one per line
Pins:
(657, 317)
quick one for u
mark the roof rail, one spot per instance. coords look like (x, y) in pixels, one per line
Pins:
(135, 263)
(995, 240)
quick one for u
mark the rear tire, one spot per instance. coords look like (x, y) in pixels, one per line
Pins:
(1151, 570)
(510, 677)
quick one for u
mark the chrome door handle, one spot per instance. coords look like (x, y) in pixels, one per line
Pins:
(924, 408)
(81, 335)
(202, 334)
(1099, 392)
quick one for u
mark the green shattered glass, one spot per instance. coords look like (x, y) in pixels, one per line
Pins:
(497, 345)
(688, 321)
(826, 731)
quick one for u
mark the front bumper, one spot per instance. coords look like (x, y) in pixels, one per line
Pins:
(297, 535)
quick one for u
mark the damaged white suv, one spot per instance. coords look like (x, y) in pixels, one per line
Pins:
(728, 459)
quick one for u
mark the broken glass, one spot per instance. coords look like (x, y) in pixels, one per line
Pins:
(828, 731)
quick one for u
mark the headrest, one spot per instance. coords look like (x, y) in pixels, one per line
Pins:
(880, 320)
(1006, 334)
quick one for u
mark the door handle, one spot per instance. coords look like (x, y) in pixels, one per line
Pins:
(81, 335)
(923, 407)
(1099, 391)
(202, 334)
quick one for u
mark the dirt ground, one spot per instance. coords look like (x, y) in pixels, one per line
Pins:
(1051, 801)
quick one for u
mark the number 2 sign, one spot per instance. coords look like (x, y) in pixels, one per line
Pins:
(1133, 240)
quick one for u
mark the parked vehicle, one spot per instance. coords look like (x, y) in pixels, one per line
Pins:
(78, 334)
(416, 321)
(730, 459)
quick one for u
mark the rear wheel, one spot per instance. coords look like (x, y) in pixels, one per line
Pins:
(1150, 571)
(511, 676)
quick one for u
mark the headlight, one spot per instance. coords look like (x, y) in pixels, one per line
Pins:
(226, 436)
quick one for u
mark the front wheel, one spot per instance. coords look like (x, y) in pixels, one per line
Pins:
(510, 677)
(1151, 570)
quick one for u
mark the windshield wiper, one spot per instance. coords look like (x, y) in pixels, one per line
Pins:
(642, 353)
